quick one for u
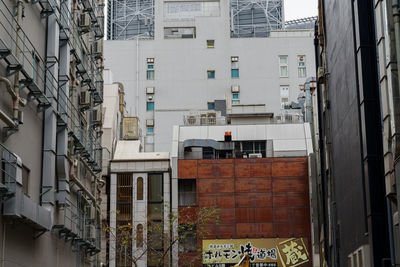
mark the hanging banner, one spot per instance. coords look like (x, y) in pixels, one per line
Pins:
(271, 252)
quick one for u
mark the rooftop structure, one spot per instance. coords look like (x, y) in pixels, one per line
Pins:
(248, 18)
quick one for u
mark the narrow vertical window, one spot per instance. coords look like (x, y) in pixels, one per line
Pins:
(139, 189)
(284, 92)
(301, 61)
(150, 106)
(150, 69)
(283, 66)
(210, 43)
(139, 237)
(235, 67)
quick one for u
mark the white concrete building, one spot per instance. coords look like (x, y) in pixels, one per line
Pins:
(192, 61)
(139, 191)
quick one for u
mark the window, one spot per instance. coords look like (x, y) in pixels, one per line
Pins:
(139, 236)
(210, 43)
(187, 192)
(150, 69)
(235, 67)
(211, 74)
(283, 66)
(235, 73)
(301, 61)
(155, 188)
(235, 102)
(188, 238)
(150, 106)
(235, 96)
(139, 189)
(284, 92)
(211, 105)
(150, 130)
(25, 180)
(180, 33)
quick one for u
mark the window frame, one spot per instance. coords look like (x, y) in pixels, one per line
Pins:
(147, 106)
(301, 69)
(283, 65)
(210, 74)
(281, 96)
(210, 43)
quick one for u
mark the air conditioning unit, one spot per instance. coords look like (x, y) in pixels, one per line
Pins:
(150, 60)
(255, 155)
(98, 49)
(96, 117)
(85, 100)
(360, 257)
(235, 88)
(90, 212)
(234, 59)
(84, 23)
(149, 90)
(149, 122)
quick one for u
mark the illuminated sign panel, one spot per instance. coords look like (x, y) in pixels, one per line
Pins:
(276, 252)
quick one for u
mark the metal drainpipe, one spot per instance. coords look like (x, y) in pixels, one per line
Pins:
(17, 55)
(396, 102)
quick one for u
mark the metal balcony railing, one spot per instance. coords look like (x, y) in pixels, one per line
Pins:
(67, 224)
(8, 167)
(42, 85)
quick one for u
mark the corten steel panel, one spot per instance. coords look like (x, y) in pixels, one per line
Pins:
(225, 230)
(245, 215)
(227, 216)
(207, 200)
(253, 185)
(187, 169)
(282, 230)
(253, 200)
(215, 186)
(244, 230)
(281, 215)
(252, 170)
(225, 201)
(263, 214)
(280, 199)
(289, 169)
(186, 214)
(215, 170)
(300, 214)
(298, 199)
(299, 184)
(265, 229)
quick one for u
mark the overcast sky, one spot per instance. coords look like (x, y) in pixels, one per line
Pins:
(295, 9)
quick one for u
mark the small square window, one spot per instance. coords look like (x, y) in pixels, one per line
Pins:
(211, 105)
(150, 67)
(235, 73)
(235, 102)
(235, 96)
(210, 43)
(150, 106)
(150, 130)
(150, 60)
(211, 74)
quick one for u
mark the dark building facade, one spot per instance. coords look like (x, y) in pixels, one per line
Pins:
(354, 229)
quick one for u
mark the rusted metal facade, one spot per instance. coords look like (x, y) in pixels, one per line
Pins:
(256, 198)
